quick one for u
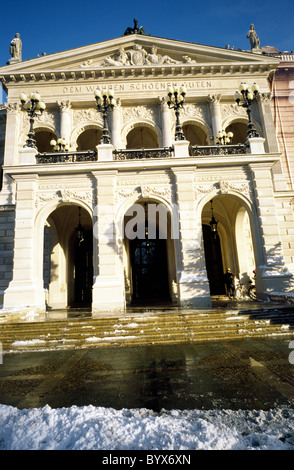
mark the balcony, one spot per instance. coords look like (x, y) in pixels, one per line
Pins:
(140, 154)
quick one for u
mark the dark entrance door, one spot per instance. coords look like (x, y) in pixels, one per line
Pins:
(83, 269)
(149, 271)
(214, 264)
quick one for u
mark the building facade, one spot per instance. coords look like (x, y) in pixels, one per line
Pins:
(128, 222)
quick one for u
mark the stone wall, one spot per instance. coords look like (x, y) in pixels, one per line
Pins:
(7, 224)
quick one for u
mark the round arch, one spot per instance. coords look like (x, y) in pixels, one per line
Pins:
(196, 132)
(44, 134)
(143, 133)
(147, 223)
(238, 232)
(92, 130)
(239, 127)
(60, 219)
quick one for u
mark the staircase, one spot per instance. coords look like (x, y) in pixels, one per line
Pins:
(145, 328)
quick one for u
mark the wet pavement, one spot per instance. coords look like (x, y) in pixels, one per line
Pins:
(237, 374)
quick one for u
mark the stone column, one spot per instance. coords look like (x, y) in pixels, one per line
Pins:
(108, 287)
(116, 125)
(269, 133)
(65, 120)
(167, 139)
(12, 134)
(267, 122)
(272, 274)
(216, 118)
(193, 286)
(25, 289)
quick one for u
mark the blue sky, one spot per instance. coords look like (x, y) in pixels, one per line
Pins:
(60, 25)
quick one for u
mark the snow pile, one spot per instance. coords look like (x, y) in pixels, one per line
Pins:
(90, 428)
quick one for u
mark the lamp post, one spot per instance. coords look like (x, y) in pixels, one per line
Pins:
(175, 100)
(248, 96)
(224, 138)
(105, 103)
(34, 107)
(59, 146)
(213, 223)
(79, 230)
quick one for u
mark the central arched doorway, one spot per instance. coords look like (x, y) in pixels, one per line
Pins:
(68, 257)
(149, 255)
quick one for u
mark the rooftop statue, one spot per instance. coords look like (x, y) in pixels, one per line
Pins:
(15, 49)
(253, 38)
(135, 29)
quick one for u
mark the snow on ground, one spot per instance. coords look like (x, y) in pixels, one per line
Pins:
(97, 428)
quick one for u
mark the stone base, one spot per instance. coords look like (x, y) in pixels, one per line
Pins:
(108, 294)
(21, 294)
(194, 291)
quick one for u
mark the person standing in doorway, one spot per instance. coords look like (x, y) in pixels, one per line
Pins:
(229, 282)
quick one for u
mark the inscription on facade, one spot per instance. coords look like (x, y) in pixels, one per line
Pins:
(137, 86)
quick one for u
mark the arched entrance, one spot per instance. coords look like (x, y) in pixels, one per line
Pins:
(68, 257)
(149, 264)
(233, 246)
(213, 259)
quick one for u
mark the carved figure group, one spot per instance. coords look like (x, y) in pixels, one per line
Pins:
(139, 56)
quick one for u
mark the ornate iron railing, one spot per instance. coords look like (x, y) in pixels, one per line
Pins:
(208, 150)
(67, 157)
(125, 154)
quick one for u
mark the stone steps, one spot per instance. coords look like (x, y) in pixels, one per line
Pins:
(147, 328)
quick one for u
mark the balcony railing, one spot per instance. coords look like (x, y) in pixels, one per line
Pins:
(67, 157)
(139, 154)
(209, 150)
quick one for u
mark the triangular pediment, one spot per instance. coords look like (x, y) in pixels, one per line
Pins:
(136, 51)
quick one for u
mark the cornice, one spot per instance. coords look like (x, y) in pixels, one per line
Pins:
(207, 70)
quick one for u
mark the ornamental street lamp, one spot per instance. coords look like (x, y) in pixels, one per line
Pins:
(34, 107)
(248, 96)
(213, 223)
(79, 230)
(175, 100)
(105, 103)
(59, 146)
(224, 138)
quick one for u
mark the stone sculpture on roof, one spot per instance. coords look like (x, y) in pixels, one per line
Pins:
(253, 38)
(15, 49)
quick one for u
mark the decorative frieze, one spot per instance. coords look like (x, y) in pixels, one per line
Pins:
(86, 116)
(66, 194)
(137, 113)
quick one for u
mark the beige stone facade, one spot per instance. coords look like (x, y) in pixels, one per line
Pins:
(45, 195)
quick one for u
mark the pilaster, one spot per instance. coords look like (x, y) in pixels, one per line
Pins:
(25, 289)
(108, 286)
(116, 125)
(12, 134)
(193, 284)
(273, 274)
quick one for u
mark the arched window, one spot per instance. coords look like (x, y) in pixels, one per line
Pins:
(43, 139)
(195, 134)
(89, 139)
(239, 130)
(142, 137)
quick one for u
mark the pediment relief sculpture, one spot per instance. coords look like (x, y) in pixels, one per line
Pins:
(137, 56)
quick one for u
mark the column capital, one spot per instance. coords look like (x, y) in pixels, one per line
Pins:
(64, 105)
(214, 99)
